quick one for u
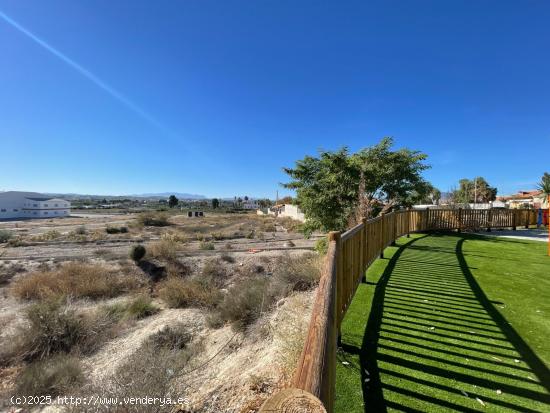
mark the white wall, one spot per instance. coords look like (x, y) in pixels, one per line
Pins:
(15, 205)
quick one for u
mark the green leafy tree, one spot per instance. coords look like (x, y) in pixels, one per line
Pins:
(338, 187)
(544, 186)
(476, 190)
(172, 201)
(215, 203)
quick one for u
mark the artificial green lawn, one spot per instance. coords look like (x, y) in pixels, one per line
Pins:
(449, 323)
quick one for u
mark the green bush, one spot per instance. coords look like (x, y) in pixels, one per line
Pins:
(321, 246)
(5, 236)
(137, 252)
(141, 307)
(116, 230)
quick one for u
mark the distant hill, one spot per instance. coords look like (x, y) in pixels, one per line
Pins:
(179, 195)
(159, 195)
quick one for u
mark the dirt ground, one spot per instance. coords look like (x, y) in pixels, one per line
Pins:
(236, 370)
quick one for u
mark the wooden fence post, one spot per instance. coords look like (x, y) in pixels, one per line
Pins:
(394, 230)
(514, 218)
(383, 225)
(364, 251)
(292, 400)
(489, 219)
(335, 236)
(460, 219)
(527, 216)
(408, 220)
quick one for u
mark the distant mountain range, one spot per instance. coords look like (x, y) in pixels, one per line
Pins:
(180, 195)
(157, 195)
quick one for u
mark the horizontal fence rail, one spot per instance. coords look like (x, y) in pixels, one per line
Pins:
(348, 257)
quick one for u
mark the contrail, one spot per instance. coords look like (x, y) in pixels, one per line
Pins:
(86, 73)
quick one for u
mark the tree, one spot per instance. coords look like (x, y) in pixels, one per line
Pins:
(172, 201)
(215, 203)
(544, 186)
(286, 200)
(338, 186)
(246, 198)
(474, 191)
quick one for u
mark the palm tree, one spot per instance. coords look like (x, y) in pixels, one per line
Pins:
(544, 186)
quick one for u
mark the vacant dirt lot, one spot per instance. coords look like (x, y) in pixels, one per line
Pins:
(215, 310)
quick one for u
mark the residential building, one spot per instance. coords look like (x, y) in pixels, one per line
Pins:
(525, 199)
(17, 205)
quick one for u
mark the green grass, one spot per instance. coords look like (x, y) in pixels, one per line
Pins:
(445, 320)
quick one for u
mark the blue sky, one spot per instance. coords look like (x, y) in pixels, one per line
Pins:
(215, 97)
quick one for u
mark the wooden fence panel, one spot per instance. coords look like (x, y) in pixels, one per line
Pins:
(348, 257)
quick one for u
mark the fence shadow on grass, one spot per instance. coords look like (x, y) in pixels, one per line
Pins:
(435, 342)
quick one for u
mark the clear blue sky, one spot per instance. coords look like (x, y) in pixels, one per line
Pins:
(118, 97)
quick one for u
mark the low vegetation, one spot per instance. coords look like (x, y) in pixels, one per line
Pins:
(180, 293)
(255, 294)
(137, 252)
(116, 230)
(206, 245)
(153, 219)
(74, 279)
(163, 249)
(52, 377)
(5, 236)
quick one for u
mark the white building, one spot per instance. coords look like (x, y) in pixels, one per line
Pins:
(15, 204)
(284, 210)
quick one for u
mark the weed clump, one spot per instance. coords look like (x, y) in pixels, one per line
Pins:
(206, 245)
(52, 377)
(5, 236)
(181, 293)
(153, 219)
(74, 279)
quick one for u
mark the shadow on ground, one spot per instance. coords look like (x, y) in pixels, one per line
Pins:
(434, 342)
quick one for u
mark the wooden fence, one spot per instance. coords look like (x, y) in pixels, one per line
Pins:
(348, 257)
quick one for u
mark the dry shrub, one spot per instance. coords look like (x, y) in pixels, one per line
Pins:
(299, 273)
(47, 236)
(291, 225)
(252, 296)
(52, 377)
(7, 272)
(228, 258)
(56, 328)
(175, 337)
(151, 370)
(245, 302)
(173, 237)
(181, 293)
(206, 245)
(163, 249)
(153, 219)
(290, 329)
(214, 272)
(177, 268)
(5, 235)
(74, 279)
